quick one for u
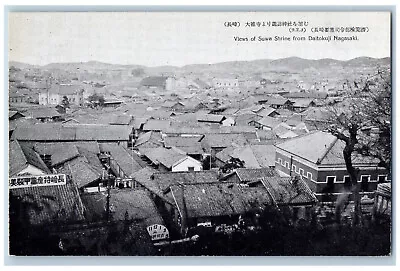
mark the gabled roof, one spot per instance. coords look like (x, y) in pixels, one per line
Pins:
(43, 112)
(137, 203)
(156, 125)
(144, 177)
(170, 104)
(190, 145)
(14, 114)
(223, 140)
(217, 199)
(269, 122)
(150, 138)
(124, 158)
(302, 103)
(121, 120)
(313, 95)
(210, 118)
(81, 171)
(254, 156)
(21, 155)
(165, 179)
(247, 175)
(51, 204)
(266, 111)
(321, 148)
(63, 155)
(50, 148)
(164, 156)
(289, 191)
(79, 132)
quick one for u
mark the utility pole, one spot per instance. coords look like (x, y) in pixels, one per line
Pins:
(291, 163)
(108, 190)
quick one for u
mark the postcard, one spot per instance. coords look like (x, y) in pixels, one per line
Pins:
(200, 133)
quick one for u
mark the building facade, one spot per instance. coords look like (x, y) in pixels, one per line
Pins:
(318, 159)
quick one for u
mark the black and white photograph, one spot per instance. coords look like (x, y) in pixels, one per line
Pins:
(200, 133)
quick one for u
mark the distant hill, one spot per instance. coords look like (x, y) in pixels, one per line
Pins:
(289, 64)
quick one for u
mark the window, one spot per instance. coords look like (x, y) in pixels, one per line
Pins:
(301, 171)
(364, 178)
(287, 164)
(309, 175)
(381, 178)
(346, 179)
(190, 168)
(330, 180)
(364, 182)
(279, 160)
(294, 168)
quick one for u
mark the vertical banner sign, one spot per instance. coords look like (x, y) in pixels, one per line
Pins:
(33, 181)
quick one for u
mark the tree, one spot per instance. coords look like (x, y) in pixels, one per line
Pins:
(367, 107)
(96, 100)
(65, 102)
(232, 164)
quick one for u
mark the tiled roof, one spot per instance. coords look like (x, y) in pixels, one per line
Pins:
(314, 95)
(317, 114)
(137, 203)
(151, 139)
(51, 204)
(269, 122)
(12, 114)
(303, 103)
(266, 111)
(22, 155)
(79, 132)
(217, 199)
(321, 148)
(265, 154)
(311, 147)
(144, 177)
(165, 179)
(49, 148)
(289, 191)
(63, 154)
(190, 145)
(81, 171)
(164, 156)
(121, 120)
(244, 119)
(210, 118)
(223, 140)
(45, 112)
(156, 125)
(124, 159)
(250, 175)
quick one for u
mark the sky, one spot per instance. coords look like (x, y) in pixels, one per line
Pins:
(173, 38)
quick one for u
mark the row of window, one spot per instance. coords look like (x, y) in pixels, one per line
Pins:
(227, 84)
(296, 169)
(330, 179)
(363, 178)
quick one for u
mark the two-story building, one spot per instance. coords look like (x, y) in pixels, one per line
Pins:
(318, 159)
(55, 95)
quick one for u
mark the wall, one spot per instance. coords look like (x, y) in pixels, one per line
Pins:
(185, 164)
(316, 176)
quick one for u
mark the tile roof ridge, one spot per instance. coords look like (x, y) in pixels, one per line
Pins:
(300, 136)
(319, 160)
